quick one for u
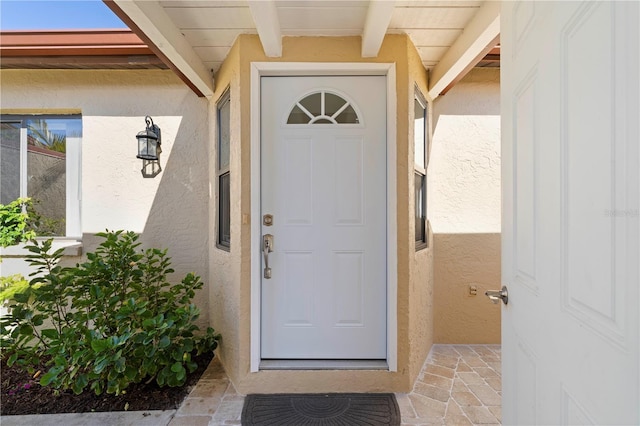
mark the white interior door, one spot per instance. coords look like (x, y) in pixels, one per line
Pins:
(323, 181)
(570, 223)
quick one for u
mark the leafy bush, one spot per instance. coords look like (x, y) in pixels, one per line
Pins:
(14, 222)
(10, 285)
(106, 323)
(42, 225)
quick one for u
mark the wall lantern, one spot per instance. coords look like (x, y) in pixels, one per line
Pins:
(149, 148)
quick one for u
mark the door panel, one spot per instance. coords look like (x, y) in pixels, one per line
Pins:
(571, 192)
(325, 185)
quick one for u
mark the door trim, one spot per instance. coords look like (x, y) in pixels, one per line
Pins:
(260, 69)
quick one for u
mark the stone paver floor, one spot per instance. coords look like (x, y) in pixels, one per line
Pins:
(458, 385)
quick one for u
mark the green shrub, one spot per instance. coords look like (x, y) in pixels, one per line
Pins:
(106, 323)
(10, 285)
(14, 229)
(14, 222)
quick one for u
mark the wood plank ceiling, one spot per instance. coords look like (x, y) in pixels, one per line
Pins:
(211, 27)
(194, 36)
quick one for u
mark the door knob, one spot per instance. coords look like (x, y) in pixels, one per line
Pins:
(267, 247)
(497, 295)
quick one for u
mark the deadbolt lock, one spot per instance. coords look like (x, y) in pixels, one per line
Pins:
(267, 220)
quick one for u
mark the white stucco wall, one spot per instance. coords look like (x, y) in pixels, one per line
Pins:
(168, 211)
(464, 166)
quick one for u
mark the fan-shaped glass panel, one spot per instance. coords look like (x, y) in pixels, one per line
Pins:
(313, 104)
(332, 103)
(323, 108)
(348, 116)
(297, 116)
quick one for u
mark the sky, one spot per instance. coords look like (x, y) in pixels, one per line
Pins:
(56, 15)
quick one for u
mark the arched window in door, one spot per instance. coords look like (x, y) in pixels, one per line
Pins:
(323, 107)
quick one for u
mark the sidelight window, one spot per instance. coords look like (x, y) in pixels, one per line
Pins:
(421, 155)
(223, 173)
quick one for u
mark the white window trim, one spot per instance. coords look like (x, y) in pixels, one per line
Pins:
(259, 69)
(418, 96)
(74, 188)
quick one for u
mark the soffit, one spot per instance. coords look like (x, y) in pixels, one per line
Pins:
(211, 27)
(195, 36)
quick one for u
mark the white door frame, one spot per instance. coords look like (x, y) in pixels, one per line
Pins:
(259, 69)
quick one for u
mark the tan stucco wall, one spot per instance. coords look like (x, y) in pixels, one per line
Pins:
(464, 208)
(169, 211)
(461, 260)
(225, 266)
(420, 295)
(230, 272)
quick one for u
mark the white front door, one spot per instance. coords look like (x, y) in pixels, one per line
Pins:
(323, 183)
(570, 260)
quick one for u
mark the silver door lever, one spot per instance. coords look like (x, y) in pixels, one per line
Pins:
(267, 247)
(497, 295)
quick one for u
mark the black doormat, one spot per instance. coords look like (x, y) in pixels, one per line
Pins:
(333, 409)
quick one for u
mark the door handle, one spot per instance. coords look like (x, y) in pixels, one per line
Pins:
(497, 295)
(267, 247)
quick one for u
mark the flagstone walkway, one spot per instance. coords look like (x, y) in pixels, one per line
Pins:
(458, 385)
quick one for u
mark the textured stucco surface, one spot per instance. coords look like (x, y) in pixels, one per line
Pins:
(464, 209)
(420, 296)
(225, 266)
(464, 167)
(168, 211)
(230, 271)
(461, 260)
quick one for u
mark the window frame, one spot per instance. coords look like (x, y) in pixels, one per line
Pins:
(223, 212)
(73, 171)
(420, 170)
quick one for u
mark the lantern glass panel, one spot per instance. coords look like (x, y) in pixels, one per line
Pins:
(152, 145)
(142, 146)
(147, 145)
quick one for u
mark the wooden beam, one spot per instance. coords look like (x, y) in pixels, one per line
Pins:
(150, 22)
(481, 57)
(375, 27)
(479, 34)
(265, 16)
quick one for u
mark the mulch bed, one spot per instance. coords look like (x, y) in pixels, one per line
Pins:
(21, 394)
